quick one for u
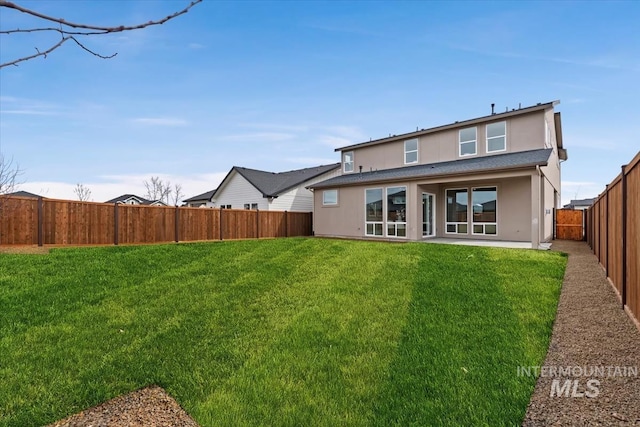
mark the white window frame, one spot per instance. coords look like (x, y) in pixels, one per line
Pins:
(412, 151)
(324, 198)
(386, 214)
(475, 142)
(374, 223)
(483, 224)
(495, 137)
(352, 163)
(446, 213)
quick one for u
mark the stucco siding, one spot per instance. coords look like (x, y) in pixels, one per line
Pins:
(513, 209)
(523, 133)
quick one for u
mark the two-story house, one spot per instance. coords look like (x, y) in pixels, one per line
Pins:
(495, 177)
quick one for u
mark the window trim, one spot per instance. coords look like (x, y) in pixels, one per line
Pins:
(352, 162)
(324, 200)
(374, 223)
(486, 132)
(484, 223)
(417, 151)
(385, 218)
(446, 213)
(475, 142)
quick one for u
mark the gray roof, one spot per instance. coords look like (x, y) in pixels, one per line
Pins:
(24, 194)
(580, 202)
(522, 159)
(204, 196)
(271, 184)
(125, 197)
(460, 124)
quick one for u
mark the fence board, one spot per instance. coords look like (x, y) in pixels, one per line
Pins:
(614, 234)
(633, 238)
(569, 224)
(18, 221)
(68, 222)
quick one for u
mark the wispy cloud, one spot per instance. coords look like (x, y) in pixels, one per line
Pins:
(30, 107)
(160, 121)
(196, 46)
(341, 136)
(259, 136)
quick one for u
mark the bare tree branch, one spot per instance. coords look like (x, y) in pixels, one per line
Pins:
(157, 189)
(177, 194)
(85, 30)
(82, 192)
(9, 173)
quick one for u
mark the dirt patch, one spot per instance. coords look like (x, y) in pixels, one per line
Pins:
(32, 249)
(592, 336)
(147, 407)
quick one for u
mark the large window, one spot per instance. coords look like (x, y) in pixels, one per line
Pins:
(347, 161)
(457, 208)
(330, 197)
(397, 211)
(496, 137)
(411, 151)
(373, 212)
(485, 203)
(468, 142)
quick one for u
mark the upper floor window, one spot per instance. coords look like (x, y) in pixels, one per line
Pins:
(496, 137)
(347, 161)
(330, 197)
(467, 140)
(411, 151)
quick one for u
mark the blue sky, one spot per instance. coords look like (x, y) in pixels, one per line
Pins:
(278, 85)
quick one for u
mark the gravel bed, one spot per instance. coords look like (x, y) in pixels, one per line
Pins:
(591, 334)
(150, 406)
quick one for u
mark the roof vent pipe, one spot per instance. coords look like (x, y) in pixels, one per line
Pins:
(492, 107)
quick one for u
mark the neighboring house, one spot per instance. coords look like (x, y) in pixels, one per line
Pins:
(132, 199)
(201, 200)
(245, 188)
(495, 177)
(580, 204)
(24, 194)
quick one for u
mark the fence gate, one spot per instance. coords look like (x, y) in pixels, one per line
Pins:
(569, 224)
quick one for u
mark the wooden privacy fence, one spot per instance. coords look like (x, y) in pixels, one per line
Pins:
(613, 232)
(569, 224)
(25, 221)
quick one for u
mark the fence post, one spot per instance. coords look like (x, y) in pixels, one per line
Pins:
(311, 233)
(177, 226)
(286, 224)
(40, 221)
(606, 227)
(257, 223)
(116, 221)
(221, 232)
(624, 237)
(554, 220)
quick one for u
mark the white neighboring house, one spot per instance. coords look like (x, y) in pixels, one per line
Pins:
(132, 199)
(245, 188)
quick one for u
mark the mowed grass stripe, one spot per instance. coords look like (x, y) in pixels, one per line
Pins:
(289, 331)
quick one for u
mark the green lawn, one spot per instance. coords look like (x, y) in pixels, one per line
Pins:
(287, 332)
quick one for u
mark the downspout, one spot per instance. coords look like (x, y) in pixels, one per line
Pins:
(541, 219)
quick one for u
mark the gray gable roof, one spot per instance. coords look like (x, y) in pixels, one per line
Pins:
(125, 197)
(497, 162)
(271, 184)
(24, 194)
(204, 196)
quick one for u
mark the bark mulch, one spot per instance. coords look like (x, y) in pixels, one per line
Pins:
(591, 334)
